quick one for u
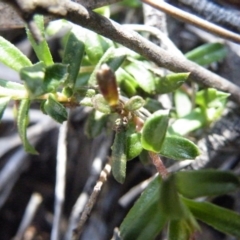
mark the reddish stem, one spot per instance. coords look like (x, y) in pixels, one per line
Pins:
(157, 161)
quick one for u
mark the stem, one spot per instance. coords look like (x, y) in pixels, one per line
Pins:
(194, 20)
(157, 162)
(86, 213)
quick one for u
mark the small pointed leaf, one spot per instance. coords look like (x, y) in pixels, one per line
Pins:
(73, 54)
(207, 53)
(33, 78)
(143, 76)
(41, 49)
(3, 104)
(119, 158)
(22, 122)
(55, 109)
(134, 146)
(171, 82)
(154, 131)
(101, 104)
(134, 103)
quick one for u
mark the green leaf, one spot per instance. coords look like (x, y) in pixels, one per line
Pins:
(178, 148)
(55, 109)
(22, 122)
(193, 184)
(143, 76)
(33, 78)
(55, 75)
(144, 220)
(11, 85)
(134, 103)
(171, 82)
(133, 142)
(182, 103)
(119, 158)
(95, 123)
(101, 104)
(154, 131)
(207, 53)
(126, 82)
(3, 104)
(95, 46)
(192, 121)
(40, 79)
(219, 218)
(179, 230)
(12, 56)
(41, 49)
(73, 54)
(211, 97)
(113, 57)
(169, 201)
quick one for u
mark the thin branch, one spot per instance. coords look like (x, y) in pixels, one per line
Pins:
(92, 200)
(194, 20)
(60, 180)
(225, 17)
(157, 162)
(110, 29)
(134, 41)
(32, 207)
(97, 166)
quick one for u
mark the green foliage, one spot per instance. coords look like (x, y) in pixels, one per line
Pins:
(41, 49)
(207, 53)
(123, 94)
(11, 56)
(119, 158)
(154, 131)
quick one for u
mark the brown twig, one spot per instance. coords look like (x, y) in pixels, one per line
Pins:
(110, 29)
(194, 20)
(134, 41)
(92, 200)
(157, 162)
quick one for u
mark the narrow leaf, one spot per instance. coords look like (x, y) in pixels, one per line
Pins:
(119, 159)
(55, 109)
(55, 75)
(3, 104)
(193, 184)
(73, 54)
(22, 122)
(154, 131)
(171, 82)
(33, 78)
(207, 53)
(219, 218)
(144, 220)
(12, 56)
(170, 203)
(134, 146)
(11, 85)
(41, 49)
(178, 148)
(143, 76)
